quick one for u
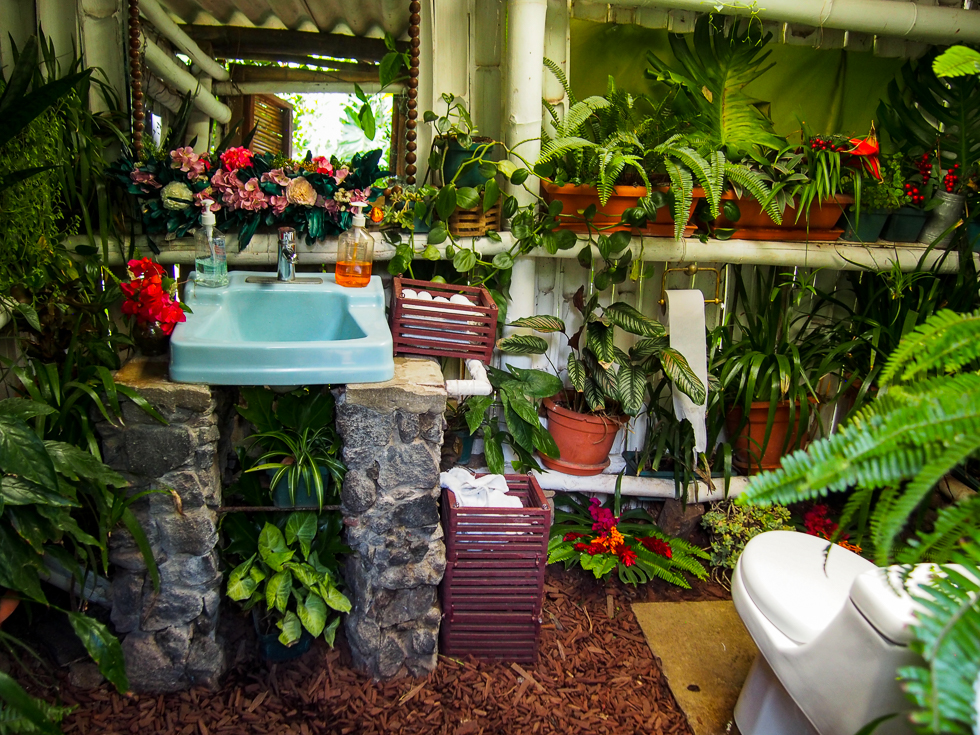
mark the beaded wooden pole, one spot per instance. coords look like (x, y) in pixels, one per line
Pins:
(413, 91)
(135, 76)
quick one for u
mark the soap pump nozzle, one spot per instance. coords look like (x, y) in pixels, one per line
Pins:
(358, 208)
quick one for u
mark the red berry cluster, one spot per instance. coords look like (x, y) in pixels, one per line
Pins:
(925, 167)
(826, 144)
(952, 178)
(912, 192)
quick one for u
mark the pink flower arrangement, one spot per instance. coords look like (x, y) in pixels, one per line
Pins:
(146, 181)
(323, 165)
(236, 194)
(189, 162)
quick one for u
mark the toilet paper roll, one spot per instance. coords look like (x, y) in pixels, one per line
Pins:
(685, 320)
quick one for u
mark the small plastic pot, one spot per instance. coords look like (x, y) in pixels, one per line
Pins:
(869, 225)
(904, 225)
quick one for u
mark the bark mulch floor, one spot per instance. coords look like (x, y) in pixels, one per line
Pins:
(595, 674)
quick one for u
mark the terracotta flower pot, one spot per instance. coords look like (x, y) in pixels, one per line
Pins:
(755, 224)
(8, 603)
(583, 440)
(747, 443)
(576, 199)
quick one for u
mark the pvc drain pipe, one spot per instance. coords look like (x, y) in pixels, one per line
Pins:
(478, 385)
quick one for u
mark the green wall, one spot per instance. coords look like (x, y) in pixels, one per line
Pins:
(835, 91)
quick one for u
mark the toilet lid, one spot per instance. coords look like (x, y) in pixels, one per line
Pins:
(785, 576)
(882, 597)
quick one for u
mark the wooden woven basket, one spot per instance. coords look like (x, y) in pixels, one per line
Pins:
(493, 588)
(474, 222)
(467, 331)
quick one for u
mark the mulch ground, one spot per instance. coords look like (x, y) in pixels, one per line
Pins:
(594, 674)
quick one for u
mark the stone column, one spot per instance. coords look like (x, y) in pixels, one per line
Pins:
(169, 635)
(392, 435)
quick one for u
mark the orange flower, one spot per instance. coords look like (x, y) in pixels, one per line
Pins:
(867, 149)
(376, 214)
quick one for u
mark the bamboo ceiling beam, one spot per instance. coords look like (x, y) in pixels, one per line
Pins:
(236, 42)
(309, 61)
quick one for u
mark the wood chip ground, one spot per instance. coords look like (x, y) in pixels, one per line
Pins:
(594, 674)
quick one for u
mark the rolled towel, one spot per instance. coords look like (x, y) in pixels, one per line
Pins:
(489, 491)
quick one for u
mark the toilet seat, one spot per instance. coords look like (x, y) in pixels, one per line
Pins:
(882, 598)
(796, 584)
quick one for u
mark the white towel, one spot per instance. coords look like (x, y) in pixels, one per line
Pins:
(489, 491)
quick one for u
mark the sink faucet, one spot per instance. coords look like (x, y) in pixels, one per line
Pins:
(287, 254)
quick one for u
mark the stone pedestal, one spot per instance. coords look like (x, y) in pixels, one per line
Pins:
(168, 636)
(392, 435)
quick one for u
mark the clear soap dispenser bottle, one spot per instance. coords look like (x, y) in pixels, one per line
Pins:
(355, 252)
(209, 260)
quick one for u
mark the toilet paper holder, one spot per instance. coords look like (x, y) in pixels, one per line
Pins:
(692, 270)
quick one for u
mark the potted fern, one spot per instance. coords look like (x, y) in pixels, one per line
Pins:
(607, 384)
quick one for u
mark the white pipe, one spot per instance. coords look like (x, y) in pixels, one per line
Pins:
(263, 251)
(160, 92)
(912, 21)
(163, 23)
(176, 74)
(524, 80)
(643, 487)
(236, 88)
(478, 386)
(522, 292)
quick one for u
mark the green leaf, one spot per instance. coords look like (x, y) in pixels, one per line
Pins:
(631, 385)
(446, 202)
(626, 317)
(301, 527)
(503, 261)
(336, 599)
(676, 368)
(491, 194)
(431, 253)
(391, 66)
(24, 408)
(957, 61)
(464, 260)
(522, 344)
(312, 613)
(467, 197)
(576, 372)
(19, 565)
(278, 589)
(292, 629)
(240, 584)
(519, 176)
(75, 464)
(22, 453)
(536, 383)
(507, 168)
(16, 491)
(599, 339)
(330, 631)
(26, 707)
(103, 647)
(271, 541)
(438, 234)
(543, 323)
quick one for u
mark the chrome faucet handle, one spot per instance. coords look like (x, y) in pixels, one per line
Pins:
(287, 254)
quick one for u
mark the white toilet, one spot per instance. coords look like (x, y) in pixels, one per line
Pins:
(832, 630)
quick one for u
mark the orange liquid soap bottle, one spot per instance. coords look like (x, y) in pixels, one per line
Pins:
(355, 252)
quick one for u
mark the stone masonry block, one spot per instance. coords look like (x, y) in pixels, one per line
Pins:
(417, 387)
(359, 492)
(364, 427)
(413, 465)
(192, 533)
(408, 426)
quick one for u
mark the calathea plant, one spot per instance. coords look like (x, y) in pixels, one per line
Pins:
(603, 376)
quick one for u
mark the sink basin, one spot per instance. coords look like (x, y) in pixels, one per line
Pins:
(257, 331)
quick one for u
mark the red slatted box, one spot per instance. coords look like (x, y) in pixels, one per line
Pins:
(455, 330)
(493, 588)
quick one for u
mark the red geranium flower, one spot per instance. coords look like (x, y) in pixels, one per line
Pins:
(652, 543)
(572, 536)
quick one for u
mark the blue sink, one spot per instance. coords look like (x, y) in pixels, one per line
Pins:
(258, 331)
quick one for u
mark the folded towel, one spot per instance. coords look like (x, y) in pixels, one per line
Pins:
(489, 491)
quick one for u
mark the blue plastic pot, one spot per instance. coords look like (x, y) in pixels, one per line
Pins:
(870, 224)
(905, 225)
(458, 158)
(973, 236)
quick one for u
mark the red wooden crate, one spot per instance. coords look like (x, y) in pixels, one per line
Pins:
(493, 588)
(454, 330)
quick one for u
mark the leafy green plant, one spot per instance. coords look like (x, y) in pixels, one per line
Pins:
(767, 351)
(888, 194)
(597, 387)
(23, 713)
(287, 578)
(603, 537)
(713, 71)
(731, 526)
(298, 429)
(923, 112)
(596, 139)
(924, 422)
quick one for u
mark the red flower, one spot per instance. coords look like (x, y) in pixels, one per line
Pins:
(867, 149)
(236, 158)
(594, 548)
(143, 268)
(581, 547)
(572, 536)
(652, 543)
(627, 556)
(816, 522)
(147, 299)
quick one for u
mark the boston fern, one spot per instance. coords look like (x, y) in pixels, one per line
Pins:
(924, 422)
(593, 356)
(596, 139)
